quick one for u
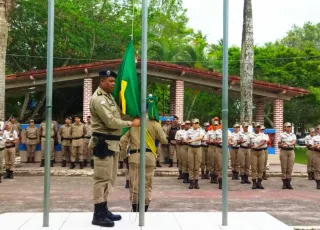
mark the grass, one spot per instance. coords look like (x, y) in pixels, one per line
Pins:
(301, 157)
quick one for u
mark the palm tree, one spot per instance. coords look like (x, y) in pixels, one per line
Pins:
(246, 64)
(5, 8)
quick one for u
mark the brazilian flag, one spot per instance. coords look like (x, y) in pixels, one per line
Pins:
(126, 91)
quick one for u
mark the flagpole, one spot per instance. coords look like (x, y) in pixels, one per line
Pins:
(46, 197)
(225, 111)
(143, 111)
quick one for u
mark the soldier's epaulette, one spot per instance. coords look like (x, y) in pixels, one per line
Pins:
(99, 93)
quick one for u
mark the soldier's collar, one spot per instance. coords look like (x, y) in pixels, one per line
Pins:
(101, 92)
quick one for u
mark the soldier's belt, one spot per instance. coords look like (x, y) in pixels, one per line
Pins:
(77, 138)
(205, 146)
(87, 137)
(213, 144)
(195, 146)
(1, 149)
(32, 138)
(244, 147)
(66, 139)
(219, 146)
(233, 147)
(107, 137)
(257, 149)
(10, 146)
(289, 149)
(133, 151)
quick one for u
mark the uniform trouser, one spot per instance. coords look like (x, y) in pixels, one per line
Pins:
(43, 146)
(194, 162)
(204, 158)
(218, 161)
(179, 157)
(1, 160)
(211, 163)
(76, 150)
(31, 150)
(17, 152)
(66, 152)
(165, 151)
(234, 153)
(104, 176)
(184, 158)
(172, 151)
(87, 152)
(310, 167)
(9, 158)
(159, 153)
(244, 159)
(316, 164)
(257, 163)
(266, 155)
(287, 162)
(134, 173)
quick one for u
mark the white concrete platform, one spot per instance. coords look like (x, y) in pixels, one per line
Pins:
(153, 221)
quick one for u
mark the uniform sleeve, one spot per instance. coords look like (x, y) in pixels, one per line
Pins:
(105, 114)
(124, 144)
(307, 140)
(280, 139)
(160, 134)
(267, 137)
(177, 135)
(15, 134)
(294, 137)
(84, 130)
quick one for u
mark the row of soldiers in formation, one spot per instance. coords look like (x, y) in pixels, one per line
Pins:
(198, 148)
(73, 137)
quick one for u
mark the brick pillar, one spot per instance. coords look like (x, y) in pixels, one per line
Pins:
(87, 93)
(173, 99)
(260, 112)
(179, 99)
(277, 121)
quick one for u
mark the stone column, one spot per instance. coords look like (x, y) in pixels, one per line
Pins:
(260, 112)
(87, 93)
(277, 121)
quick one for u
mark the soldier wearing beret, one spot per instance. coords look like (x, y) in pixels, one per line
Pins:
(107, 125)
(310, 168)
(32, 139)
(204, 148)
(315, 147)
(64, 136)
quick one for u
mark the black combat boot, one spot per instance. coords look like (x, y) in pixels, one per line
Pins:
(312, 175)
(135, 207)
(42, 163)
(237, 176)
(220, 183)
(127, 184)
(289, 184)
(191, 186)
(309, 175)
(64, 163)
(212, 178)
(100, 216)
(259, 184)
(81, 165)
(242, 179)
(112, 216)
(0, 177)
(202, 175)
(28, 160)
(146, 208)
(32, 160)
(246, 179)
(170, 163)
(254, 184)
(85, 163)
(196, 184)
(207, 175)
(264, 175)
(318, 184)
(51, 163)
(120, 164)
(177, 164)
(180, 175)
(158, 164)
(7, 175)
(233, 175)
(185, 179)
(284, 183)
(92, 164)
(215, 178)
(72, 165)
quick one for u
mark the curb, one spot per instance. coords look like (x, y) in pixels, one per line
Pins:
(306, 227)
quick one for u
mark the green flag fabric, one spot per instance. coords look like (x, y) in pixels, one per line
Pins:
(126, 91)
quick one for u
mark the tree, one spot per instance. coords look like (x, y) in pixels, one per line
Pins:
(6, 7)
(246, 63)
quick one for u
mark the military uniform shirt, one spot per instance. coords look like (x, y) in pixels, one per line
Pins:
(106, 117)
(10, 137)
(179, 134)
(257, 139)
(2, 143)
(307, 139)
(65, 132)
(234, 139)
(88, 130)
(166, 129)
(16, 126)
(193, 134)
(43, 130)
(315, 140)
(77, 132)
(205, 138)
(245, 137)
(287, 138)
(218, 135)
(32, 134)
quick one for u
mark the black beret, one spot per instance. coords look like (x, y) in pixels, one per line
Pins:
(176, 117)
(77, 115)
(107, 73)
(69, 118)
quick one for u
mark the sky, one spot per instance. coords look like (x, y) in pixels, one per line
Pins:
(272, 19)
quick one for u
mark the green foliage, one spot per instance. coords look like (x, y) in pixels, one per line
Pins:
(301, 155)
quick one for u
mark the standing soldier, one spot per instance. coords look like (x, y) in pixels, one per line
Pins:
(107, 127)
(287, 141)
(266, 155)
(78, 131)
(244, 154)
(132, 137)
(212, 150)
(2, 148)
(194, 137)
(172, 141)
(32, 139)
(65, 141)
(16, 126)
(234, 153)
(11, 139)
(217, 139)
(315, 146)
(257, 141)
(165, 147)
(178, 139)
(87, 152)
(204, 148)
(184, 153)
(42, 133)
(310, 168)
